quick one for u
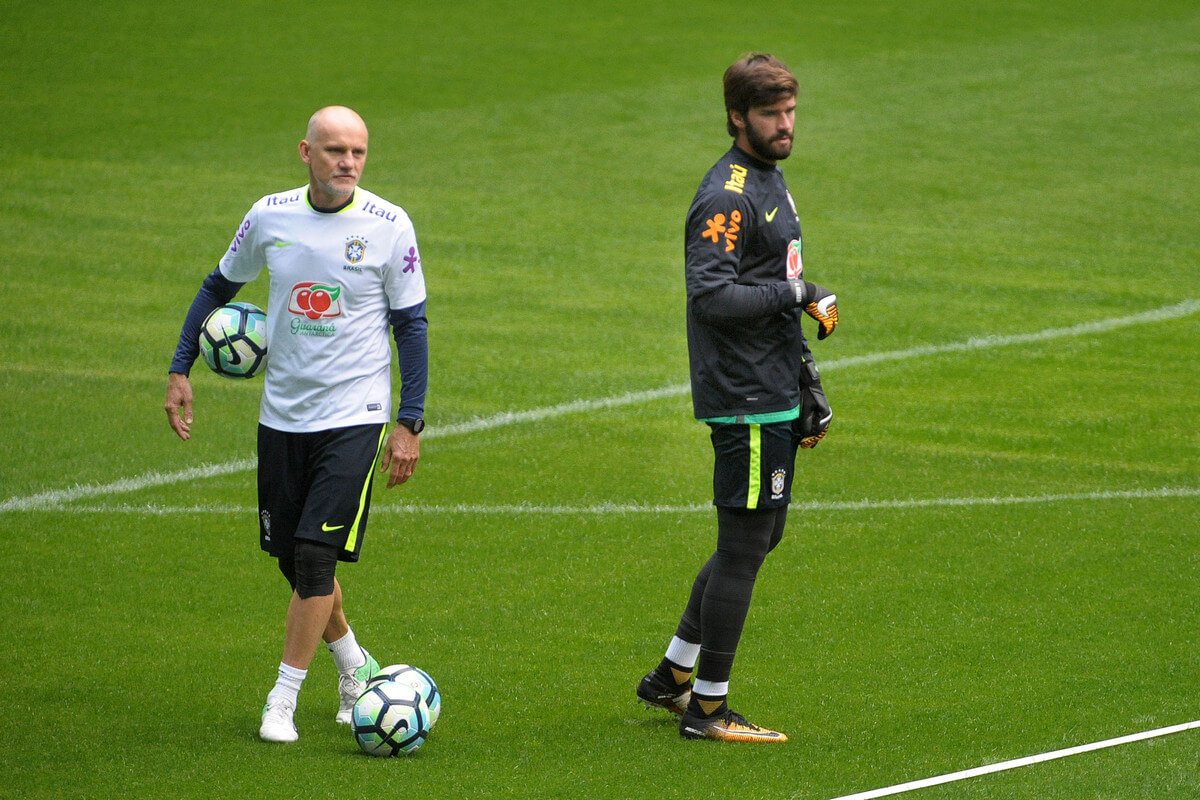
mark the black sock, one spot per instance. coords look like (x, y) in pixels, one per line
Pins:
(702, 705)
(675, 673)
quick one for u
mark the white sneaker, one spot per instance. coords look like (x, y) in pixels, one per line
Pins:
(352, 684)
(277, 722)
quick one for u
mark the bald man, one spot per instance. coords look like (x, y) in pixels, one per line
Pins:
(343, 266)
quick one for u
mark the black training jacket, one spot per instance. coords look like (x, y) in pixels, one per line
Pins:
(745, 346)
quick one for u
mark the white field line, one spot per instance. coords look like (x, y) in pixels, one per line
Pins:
(1018, 762)
(605, 509)
(57, 497)
(1182, 309)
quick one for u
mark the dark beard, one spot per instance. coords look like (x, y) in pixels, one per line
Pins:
(766, 149)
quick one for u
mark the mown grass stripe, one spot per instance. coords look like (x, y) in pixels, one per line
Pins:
(57, 497)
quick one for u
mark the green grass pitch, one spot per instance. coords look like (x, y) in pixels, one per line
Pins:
(992, 555)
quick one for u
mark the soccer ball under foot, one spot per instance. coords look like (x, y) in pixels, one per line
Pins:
(390, 718)
(418, 679)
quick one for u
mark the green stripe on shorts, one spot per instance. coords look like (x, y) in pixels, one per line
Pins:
(755, 484)
(352, 538)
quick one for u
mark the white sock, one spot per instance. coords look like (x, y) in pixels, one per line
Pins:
(683, 653)
(347, 655)
(711, 688)
(287, 685)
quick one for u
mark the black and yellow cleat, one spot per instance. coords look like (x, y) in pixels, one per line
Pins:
(657, 691)
(726, 725)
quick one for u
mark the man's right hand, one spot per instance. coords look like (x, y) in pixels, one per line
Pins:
(179, 404)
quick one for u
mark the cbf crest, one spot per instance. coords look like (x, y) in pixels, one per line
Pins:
(795, 262)
(778, 482)
(356, 249)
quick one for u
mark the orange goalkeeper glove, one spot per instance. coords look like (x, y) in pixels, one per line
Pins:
(824, 311)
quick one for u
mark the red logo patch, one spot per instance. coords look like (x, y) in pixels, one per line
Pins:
(795, 266)
(315, 300)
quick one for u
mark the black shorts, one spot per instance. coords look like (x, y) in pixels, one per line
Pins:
(316, 486)
(753, 464)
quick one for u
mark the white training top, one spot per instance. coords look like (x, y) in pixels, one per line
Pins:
(334, 277)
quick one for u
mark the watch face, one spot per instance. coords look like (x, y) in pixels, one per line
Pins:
(414, 425)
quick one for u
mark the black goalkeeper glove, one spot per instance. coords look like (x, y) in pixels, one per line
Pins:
(815, 415)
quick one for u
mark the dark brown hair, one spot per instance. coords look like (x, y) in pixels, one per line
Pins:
(756, 79)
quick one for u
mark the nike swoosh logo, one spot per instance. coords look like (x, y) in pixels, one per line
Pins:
(771, 214)
(325, 527)
(282, 244)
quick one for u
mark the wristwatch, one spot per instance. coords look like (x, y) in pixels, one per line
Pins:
(415, 425)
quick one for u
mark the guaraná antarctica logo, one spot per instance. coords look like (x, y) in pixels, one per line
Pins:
(314, 301)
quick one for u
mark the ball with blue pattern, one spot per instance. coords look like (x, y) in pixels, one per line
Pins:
(390, 719)
(418, 679)
(233, 340)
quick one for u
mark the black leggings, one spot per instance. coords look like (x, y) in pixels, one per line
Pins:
(720, 599)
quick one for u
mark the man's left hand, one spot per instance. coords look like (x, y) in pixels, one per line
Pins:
(400, 455)
(825, 312)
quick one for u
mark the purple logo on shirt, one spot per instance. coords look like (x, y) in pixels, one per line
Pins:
(241, 234)
(412, 260)
(276, 200)
(371, 208)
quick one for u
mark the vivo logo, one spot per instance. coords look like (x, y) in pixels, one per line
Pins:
(241, 234)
